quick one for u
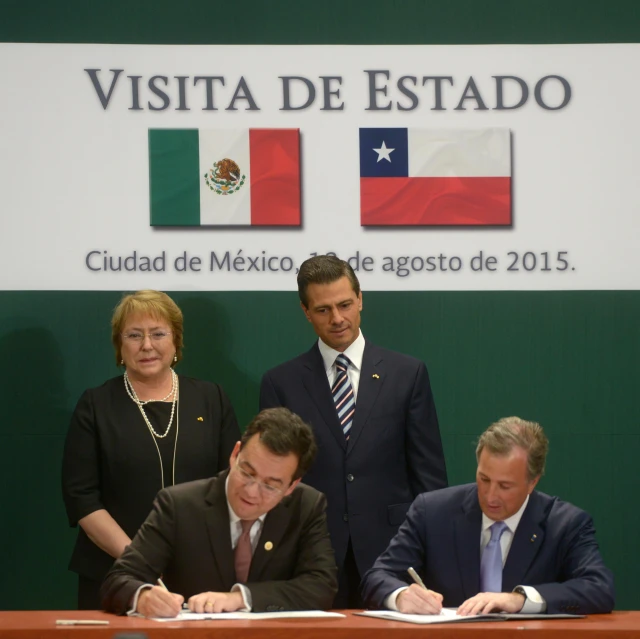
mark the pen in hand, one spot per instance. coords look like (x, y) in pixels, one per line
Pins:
(434, 597)
(416, 577)
(185, 605)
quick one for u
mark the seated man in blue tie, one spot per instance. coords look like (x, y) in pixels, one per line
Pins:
(253, 538)
(497, 545)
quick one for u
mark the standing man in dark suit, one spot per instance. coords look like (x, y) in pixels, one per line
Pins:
(373, 416)
(252, 538)
(496, 545)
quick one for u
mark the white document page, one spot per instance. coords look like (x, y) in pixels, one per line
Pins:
(447, 615)
(185, 615)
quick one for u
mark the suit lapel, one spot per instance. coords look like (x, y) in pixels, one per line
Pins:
(218, 527)
(275, 526)
(372, 378)
(526, 544)
(314, 378)
(467, 527)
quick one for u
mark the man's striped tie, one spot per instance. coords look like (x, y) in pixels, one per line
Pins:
(343, 395)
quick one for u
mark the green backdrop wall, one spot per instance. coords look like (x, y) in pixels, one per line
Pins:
(567, 359)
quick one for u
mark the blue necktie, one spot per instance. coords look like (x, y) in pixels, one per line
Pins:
(491, 562)
(342, 392)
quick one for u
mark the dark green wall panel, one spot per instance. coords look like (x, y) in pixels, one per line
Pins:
(326, 22)
(567, 359)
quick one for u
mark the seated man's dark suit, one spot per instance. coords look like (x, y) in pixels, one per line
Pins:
(186, 539)
(393, 453)
(554, 549)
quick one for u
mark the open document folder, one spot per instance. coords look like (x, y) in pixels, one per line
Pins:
(449, 615)
(185, 615)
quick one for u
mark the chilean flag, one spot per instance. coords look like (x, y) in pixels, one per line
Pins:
(435, 177)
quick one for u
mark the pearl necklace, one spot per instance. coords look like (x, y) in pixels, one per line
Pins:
(174, 391)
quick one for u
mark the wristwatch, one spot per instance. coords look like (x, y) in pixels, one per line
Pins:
(532, 599)
(521, 591)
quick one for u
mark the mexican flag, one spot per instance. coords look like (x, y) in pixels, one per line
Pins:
(232, 177)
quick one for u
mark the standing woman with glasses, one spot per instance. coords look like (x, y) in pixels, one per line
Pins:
(137, 433)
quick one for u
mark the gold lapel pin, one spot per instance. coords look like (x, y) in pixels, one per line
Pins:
(534, 537)
(375, 376)
(200, 419)
(268, 546)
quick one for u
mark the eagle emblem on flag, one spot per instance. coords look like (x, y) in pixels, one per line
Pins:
(225, 177)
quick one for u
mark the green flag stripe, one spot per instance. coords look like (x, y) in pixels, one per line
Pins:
(174, 177)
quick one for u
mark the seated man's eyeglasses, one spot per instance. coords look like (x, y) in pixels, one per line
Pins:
(266, 490)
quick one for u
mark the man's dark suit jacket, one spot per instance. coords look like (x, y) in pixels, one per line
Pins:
(393, 453)
(554, 550)
(187, 540)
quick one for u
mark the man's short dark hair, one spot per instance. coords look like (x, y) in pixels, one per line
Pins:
(324, 269)
(283, 432)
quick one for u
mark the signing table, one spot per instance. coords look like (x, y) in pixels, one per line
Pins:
(42, 625)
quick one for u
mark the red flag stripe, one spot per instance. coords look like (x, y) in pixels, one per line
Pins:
(424, 201)
(275, 177)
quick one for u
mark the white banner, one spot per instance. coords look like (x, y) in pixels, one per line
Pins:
(74, 163)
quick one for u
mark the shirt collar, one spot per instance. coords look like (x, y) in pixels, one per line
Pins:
(233, 518)
(512, 522)
(355, 353)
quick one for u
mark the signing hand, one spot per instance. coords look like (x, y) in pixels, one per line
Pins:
(158, 602)
(216, 602)
(485, 602)
(416, 600)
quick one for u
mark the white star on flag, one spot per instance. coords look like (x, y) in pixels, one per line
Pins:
(383, 152)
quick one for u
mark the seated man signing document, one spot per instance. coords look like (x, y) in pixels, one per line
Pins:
(497, 545)
(253, 538)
